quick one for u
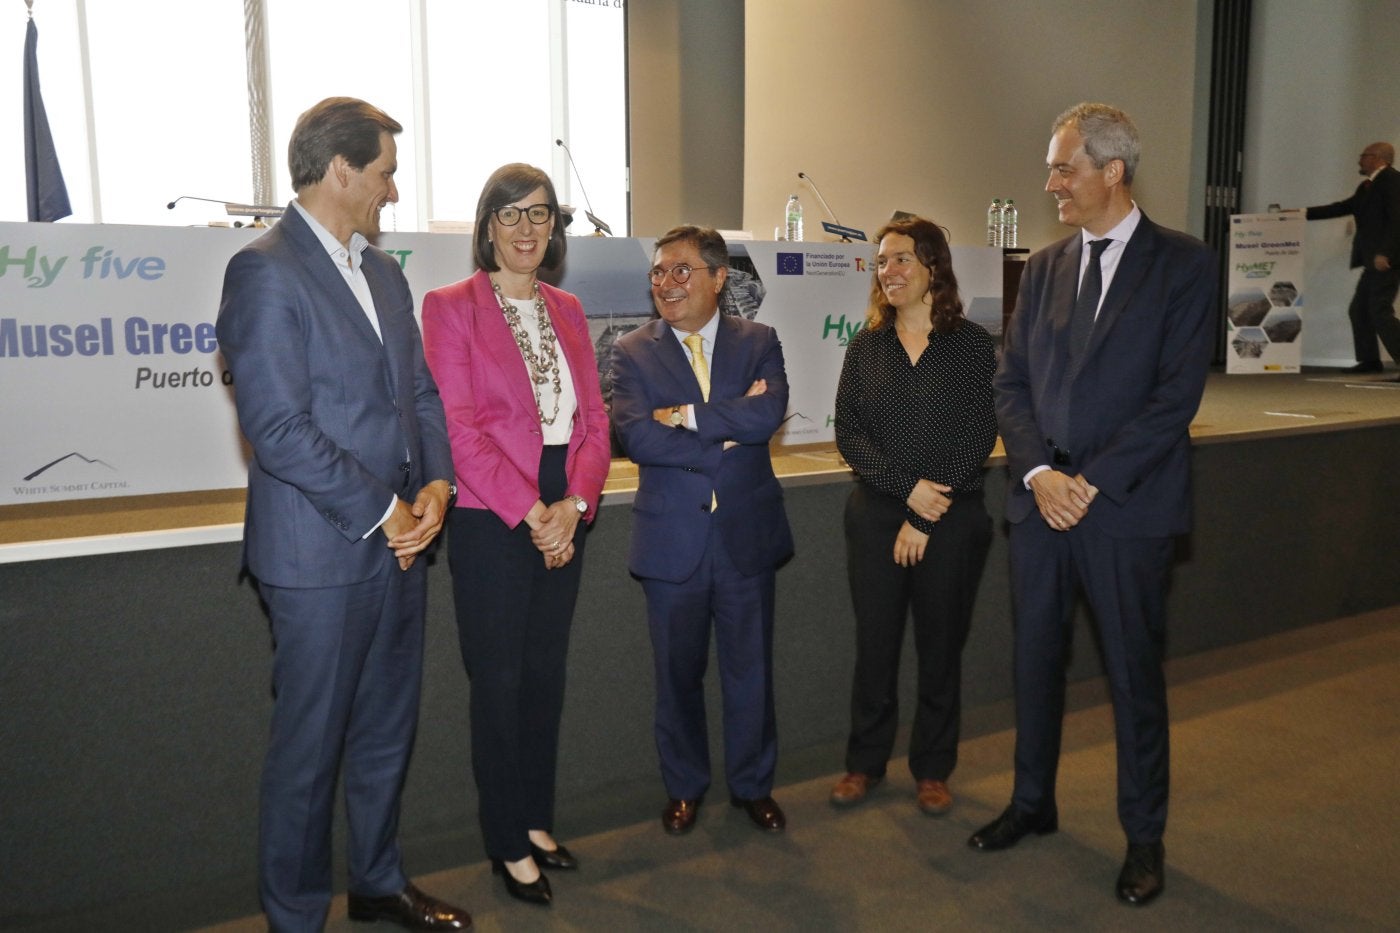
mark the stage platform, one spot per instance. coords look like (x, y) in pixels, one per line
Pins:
(1234, 408)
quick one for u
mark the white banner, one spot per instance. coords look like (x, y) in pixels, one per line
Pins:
(113, 384)
(1264, 321)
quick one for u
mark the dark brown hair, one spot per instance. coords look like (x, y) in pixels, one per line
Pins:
(337, 126)
(931, 249)
(508, 184)
(706, 240)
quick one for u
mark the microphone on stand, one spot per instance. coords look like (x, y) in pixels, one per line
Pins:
(835, 229)
(599, 228)
(234, 209)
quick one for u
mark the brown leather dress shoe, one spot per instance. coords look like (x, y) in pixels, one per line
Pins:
(410, 908)
(679, 816)
(934, 797)
(764, 811)
(852, 788)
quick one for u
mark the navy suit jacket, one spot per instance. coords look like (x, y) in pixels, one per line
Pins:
(681, 468)
(339, 421)
(1376, 208)
(1138, 385)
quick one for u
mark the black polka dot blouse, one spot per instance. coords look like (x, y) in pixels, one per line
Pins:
(898, 423)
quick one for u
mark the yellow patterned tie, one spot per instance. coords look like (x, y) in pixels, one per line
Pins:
(702, 375)
(697, 363)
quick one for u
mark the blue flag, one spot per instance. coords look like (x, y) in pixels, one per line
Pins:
(48, 195)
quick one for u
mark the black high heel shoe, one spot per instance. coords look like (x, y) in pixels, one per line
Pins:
(536, 892)
(560, 858)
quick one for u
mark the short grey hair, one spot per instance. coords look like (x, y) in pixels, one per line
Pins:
(1108, 134)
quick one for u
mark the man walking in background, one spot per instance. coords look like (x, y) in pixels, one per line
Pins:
(1375, 248)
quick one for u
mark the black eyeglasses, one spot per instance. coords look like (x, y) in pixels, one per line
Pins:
(510, 215)
(679, 273)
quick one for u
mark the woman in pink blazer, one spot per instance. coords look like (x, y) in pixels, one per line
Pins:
(519, 383)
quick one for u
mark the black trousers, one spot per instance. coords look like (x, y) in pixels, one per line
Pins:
(939, 592)
(1372, 314)
(513, 620)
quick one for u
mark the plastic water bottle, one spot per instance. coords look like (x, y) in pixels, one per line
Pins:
(1008, 224)
(794, 219)
(994, 223)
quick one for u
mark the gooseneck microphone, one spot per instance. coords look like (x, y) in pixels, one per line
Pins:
(232, 208)
(817, 191)
(835, 228)
(599, 228)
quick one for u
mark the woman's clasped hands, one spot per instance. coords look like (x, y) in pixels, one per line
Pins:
(552, 531)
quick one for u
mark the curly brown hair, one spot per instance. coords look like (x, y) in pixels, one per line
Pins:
(931, 249)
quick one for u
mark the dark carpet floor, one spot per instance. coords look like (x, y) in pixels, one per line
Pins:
(1284, 816)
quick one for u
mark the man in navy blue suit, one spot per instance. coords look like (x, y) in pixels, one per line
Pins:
(697, 395)
(350, 478)
(1103, 369)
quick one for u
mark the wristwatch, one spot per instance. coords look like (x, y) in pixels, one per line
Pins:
(579, 503)
(451, 494)
(677, 417)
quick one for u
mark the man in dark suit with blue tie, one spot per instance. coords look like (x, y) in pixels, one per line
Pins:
(1375, 249)
(697, 395)
(350, 478)
(1103, 369)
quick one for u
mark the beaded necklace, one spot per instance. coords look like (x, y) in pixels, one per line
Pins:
(543, 366)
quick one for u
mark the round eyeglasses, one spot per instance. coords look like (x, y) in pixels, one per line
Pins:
(679, 273)
(510, 215)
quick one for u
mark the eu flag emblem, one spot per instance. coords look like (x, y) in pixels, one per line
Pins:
(789, 263)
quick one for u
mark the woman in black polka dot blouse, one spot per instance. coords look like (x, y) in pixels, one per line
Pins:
(915, 421)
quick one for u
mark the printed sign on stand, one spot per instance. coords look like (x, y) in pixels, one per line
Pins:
(1264, 319)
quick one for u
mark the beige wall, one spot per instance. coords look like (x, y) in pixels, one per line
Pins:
(686, 108)
(937, 106)
(653, 90)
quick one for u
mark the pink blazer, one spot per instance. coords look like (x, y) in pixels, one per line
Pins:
(492, 421)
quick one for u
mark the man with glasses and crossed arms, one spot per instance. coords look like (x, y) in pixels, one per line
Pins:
(697, 396)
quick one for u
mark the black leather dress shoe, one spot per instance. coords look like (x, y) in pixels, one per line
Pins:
(764, 811)
(535, 892)
(558, 857)
(409, 908)
(1143, 874)
(1006, 830)
(679, 816)
(1370, 366)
